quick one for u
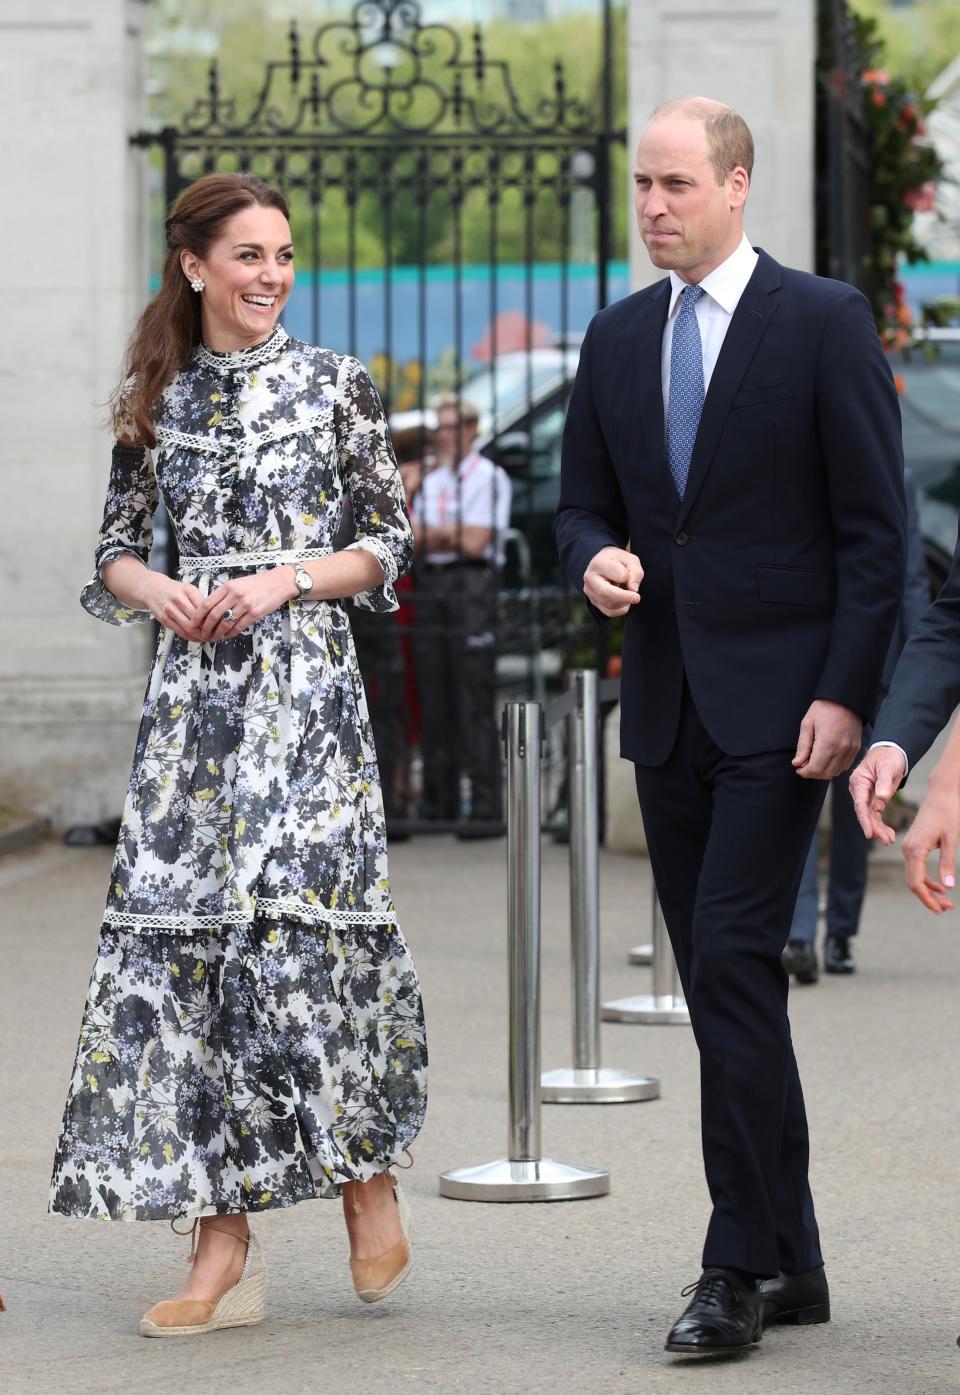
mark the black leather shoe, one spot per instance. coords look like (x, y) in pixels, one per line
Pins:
(800, 959)
(799, 1299)
(724, 1315)
(838, 956)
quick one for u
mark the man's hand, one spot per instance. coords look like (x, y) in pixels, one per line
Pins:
(830, 737)
(612, 581)
(872, 786)
(937, 825)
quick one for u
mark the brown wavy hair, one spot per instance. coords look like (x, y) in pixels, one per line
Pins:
(169, 327)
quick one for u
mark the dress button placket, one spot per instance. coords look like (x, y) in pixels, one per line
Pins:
(231, 446)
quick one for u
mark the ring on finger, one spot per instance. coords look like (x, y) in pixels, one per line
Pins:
(228, 616)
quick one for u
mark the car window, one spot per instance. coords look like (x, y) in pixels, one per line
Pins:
(519, 379)
(930, 408)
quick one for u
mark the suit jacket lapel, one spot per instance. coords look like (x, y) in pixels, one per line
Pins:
(756, 309)
(645, 387)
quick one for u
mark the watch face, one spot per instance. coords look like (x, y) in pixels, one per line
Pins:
(304, 580)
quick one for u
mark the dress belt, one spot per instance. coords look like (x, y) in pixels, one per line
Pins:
(266, 557)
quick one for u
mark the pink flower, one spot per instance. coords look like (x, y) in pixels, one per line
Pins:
(922, 200)
(879, 75)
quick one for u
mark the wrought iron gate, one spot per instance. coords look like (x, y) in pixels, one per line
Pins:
(843, 176)
(438, 219)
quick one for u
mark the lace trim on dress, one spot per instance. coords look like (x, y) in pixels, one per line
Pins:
(243, 358)
(265, 557)
(296, 428)
(209, 445)
(322, 915)
(274, 908)
(166, 437)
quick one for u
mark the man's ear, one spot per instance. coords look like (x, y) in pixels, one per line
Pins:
(739, 183)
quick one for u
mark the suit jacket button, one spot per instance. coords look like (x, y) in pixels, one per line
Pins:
(681, 540)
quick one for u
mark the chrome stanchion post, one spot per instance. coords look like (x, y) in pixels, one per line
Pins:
(666, 1004)
(524, 1175)
(588, 1082)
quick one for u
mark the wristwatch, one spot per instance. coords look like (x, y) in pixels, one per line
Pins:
(303, 579)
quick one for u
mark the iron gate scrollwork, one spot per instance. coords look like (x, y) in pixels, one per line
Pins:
(454, 238)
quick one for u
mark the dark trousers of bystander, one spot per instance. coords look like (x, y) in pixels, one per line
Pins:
(455, 648)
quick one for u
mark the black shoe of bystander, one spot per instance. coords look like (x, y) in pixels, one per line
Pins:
(838, 956)
(800, 959)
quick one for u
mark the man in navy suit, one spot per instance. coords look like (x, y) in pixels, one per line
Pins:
(732, 483)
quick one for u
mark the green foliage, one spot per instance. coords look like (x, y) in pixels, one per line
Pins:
(904, 170)
(440, 228)
(919, 40)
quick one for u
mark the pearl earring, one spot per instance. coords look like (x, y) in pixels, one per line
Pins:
(197, 284)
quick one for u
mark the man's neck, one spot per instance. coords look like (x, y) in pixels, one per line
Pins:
(694, 275)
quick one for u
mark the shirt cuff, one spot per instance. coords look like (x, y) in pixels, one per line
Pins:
(876, 744)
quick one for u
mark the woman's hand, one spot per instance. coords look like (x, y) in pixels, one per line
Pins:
(248, 598)
(936, 827)
(175, 605)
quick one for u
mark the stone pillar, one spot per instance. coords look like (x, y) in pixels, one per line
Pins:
(758, 58)
(74, 247)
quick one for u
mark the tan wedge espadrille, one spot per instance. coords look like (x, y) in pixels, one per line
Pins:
(241, 1306)
(376, 1278)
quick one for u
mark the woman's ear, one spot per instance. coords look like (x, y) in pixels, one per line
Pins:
(189, 265)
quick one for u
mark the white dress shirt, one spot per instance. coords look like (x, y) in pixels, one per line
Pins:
(724, 286)
(480, 499)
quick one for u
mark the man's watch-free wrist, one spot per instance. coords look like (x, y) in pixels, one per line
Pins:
(303, 579)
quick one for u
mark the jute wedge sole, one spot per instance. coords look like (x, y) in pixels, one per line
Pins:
(241, 1306)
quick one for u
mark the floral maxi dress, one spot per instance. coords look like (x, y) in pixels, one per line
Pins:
(253, 1032)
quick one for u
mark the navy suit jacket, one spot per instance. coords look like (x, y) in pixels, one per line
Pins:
(925, 688)
(778, 578)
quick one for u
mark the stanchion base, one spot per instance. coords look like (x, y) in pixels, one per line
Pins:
(641, 954)
(597, 1087)
(645, 1008)
(504, 1180)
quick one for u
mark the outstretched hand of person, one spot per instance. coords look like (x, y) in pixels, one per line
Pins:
(872, 786)
(935, 828)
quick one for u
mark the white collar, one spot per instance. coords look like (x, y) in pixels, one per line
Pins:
(726, 283)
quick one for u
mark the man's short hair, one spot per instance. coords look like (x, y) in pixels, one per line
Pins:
(467, 412)
(728, 135)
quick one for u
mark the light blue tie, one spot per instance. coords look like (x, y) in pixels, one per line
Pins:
(686, 388)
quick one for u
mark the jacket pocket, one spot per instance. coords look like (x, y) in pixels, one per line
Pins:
(796, 586)
(765, 392)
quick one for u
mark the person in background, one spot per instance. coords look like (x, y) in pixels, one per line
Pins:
(460, 512)
(847, 883)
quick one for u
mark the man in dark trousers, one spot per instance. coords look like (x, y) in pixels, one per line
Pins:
(732, 483)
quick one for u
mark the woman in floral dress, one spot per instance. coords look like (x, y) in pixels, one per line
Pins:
(253, 1033)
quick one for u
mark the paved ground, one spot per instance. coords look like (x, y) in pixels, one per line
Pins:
(565, 1298)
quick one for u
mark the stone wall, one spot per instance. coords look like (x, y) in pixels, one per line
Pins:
(760, 59)
(73, 243)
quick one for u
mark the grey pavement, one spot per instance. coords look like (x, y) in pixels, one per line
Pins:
(566, 1297)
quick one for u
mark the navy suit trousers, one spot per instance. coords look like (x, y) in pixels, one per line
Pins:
(728, 836)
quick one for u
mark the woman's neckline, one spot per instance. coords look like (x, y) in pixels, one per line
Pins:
(227, 360)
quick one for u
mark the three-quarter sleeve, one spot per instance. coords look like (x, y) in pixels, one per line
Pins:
(127, 527)
(372, 482)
